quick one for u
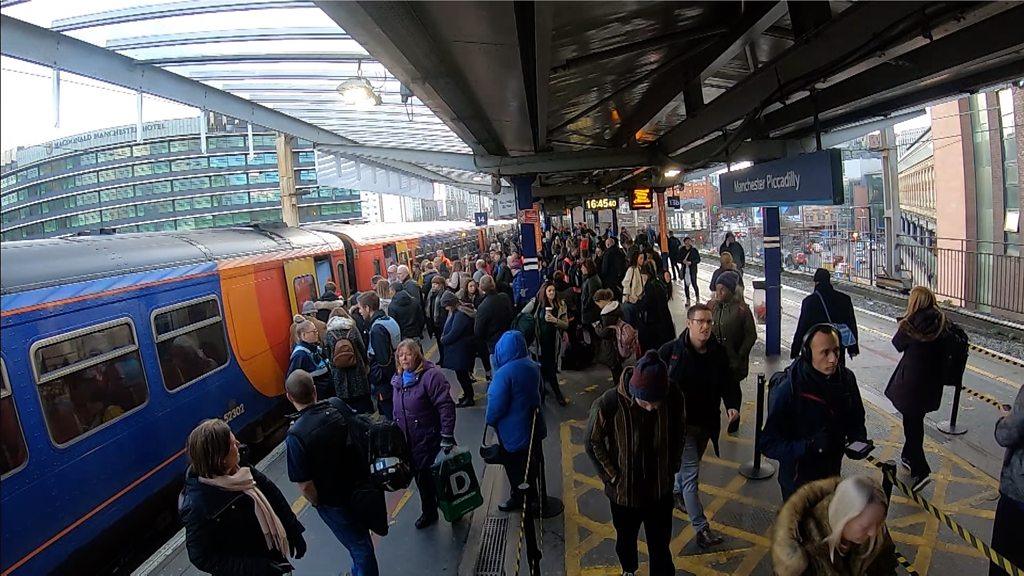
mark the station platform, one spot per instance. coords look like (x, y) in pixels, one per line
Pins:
(581, 540)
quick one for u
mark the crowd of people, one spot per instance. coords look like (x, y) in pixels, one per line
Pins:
(604, 299)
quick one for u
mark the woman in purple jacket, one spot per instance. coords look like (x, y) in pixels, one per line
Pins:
(425, 411)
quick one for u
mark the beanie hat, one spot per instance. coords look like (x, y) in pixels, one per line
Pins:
(650, 378)
(449, 299)
(730, 280)
(308, 307)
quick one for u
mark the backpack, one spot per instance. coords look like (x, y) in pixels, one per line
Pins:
(387, 451)
(627, 342)
(956, 349)
(526, 323)
(344, 355)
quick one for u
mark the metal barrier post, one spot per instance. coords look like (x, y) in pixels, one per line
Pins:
(756, 469)
(533, 552)
(950, 426)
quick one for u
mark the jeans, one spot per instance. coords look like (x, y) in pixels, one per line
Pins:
(657, 522)
(428, 492)
(354, 537)
(913, 445)
(687, 479)
(514, 464)
(690, 279)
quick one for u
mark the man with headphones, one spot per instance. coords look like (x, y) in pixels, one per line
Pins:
(815, 411)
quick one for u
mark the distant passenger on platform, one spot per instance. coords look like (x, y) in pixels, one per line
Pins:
(383, 337)
(425, 412)
(698, 366)
(433, 322)
(591, 283)
(392, 272)
(638, 476)
(351, 380)
(512, 399)
(309, 310)
(481, 269)
(519, 289)
(689, 258)
(429, 272)
(407, 311)
(552, 320)
(726, 264)
(384, 293)
(328, 468)
(457, 280)
(675, 262)
(473, 295)
(1009, 520)
(815, 410)
(408, 282)
(617, 341)
(733, 326)
(308, 355)
(834, 527)
(493, 316)
(654, 317)
(613, 266)
(225, 536)
(501, 274)
(829, 306)
(734, 248)
(328, 301)
(459, 345)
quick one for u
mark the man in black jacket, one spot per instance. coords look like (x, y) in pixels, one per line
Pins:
(815, 410)
(493, 316)
(328, 468)
(613, 266)
(407, 311)
(699, 367)
(733, 247)
(673, 254)
(825, 305)
(382, 337)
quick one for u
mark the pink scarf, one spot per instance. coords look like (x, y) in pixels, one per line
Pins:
(242, 481)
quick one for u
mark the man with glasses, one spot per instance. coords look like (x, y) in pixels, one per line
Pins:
(699, 366)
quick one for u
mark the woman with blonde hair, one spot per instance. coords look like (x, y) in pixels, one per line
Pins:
(834, 527)
(915, 386)
(726, 264)
(237, 522)
(383, 290)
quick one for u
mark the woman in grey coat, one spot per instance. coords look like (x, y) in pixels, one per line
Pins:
(1009, 522)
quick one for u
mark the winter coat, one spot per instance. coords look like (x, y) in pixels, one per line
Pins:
(383, 338)
(673, 248)
(798, 539)
(810, 420)
(706, 382)
(514, 393)
(613, 269)
(519, 290)
(607, 349)
(503, 278)
(410, 286)
(1010, 435)
(632, 285)
(590, 285)
(493, 318)
(425, 412)
(718, 272)
(326, 304)
(458, 340)
(734, 329)
(636, 453)
(690, 254)
(223, 536)
(548, 339)
(915, 386)
(736, 249)
(654, 324)
(351, 382)
(840, 308)
(407, 311)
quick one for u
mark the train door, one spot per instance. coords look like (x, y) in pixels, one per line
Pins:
(390, 256)
(402, 249)
(300, 274)
(323, 269)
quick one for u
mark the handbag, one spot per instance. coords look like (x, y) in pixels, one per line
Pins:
(845, 334)
(490, 453)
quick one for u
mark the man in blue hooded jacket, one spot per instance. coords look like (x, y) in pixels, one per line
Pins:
(512, 398)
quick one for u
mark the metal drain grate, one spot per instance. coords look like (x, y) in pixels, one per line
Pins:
(491, 561)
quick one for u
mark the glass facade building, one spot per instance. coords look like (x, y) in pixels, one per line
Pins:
(161, 183)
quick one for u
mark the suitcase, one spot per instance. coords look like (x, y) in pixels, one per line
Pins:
(458, 491)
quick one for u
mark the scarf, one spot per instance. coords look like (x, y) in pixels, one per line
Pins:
(408, 378)
(242, 481)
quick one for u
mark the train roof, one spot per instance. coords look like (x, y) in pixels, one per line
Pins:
(377, 232)
(31, 264)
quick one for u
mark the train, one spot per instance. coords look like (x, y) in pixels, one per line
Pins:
(114, 346)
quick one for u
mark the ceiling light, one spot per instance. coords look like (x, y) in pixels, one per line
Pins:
(672, 172)
(478, 178)
(358, 93)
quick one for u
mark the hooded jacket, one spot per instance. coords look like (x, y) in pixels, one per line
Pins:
(915, 386)
(798, 546)
(457, 340)
(407, 311)
(613, 268)
(351, 382)
(736, 249)
(223, 536)
(514, 393)
(636, 453)
(493, 318)
(425, 412)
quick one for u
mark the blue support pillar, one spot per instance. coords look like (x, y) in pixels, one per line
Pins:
(615, 222)
(523, 186)
(773, 281)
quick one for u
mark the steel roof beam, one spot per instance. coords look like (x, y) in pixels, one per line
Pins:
(668, 84)
(219, 36)
(847, 36)
(31, 43)
(170, 9)
(210, 59)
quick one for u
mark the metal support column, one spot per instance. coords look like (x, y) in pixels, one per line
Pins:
(286, 178)
(615, 222)
(662, 220)
(891, 203)
(523, 186)
(773, 281)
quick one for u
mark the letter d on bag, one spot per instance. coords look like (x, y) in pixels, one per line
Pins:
(460, 483)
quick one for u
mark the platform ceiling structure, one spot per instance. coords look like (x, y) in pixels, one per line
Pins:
(588, 95)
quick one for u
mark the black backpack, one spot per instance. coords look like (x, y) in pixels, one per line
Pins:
(387, 451)
(955, 350)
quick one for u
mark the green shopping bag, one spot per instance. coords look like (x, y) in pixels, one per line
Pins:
(458, 491)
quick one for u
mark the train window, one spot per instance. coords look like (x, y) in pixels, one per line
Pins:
(89, 378)
(13, 452)
(305, 289)
(376, 267)
(189, 341)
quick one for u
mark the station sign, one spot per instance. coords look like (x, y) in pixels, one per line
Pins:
(815, 178)
(480, 218)
(601, 203)
(674, 202)
(641, 199)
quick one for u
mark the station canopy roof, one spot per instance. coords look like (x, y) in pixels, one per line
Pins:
(589, 95)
